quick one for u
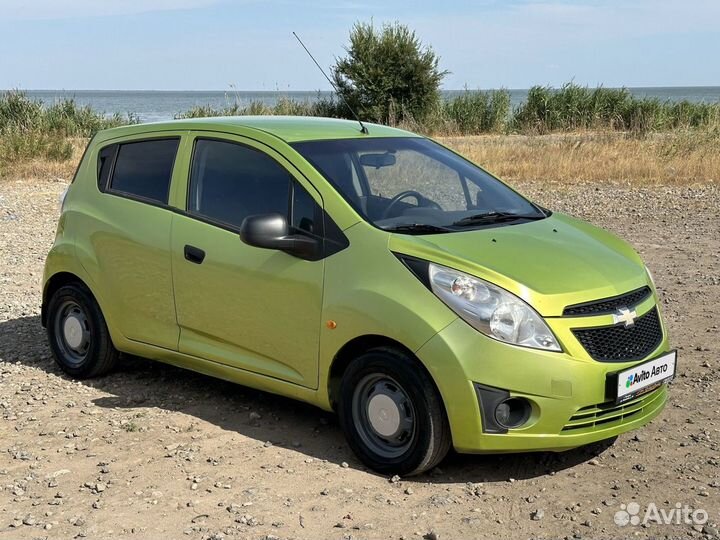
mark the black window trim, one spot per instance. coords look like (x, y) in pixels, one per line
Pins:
(107, 188)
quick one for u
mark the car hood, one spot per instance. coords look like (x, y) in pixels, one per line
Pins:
(550, 263)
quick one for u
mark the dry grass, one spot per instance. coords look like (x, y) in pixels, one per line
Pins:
(673, 158)
(680, 157)
(44, 168)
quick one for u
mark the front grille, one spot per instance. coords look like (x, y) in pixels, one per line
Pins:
(619, 343)
(609, 413)
(608, 305)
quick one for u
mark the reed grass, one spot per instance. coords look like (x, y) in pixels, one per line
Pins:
(284, 106)
(31, 130)
(570, 134)
(546, 110)
(574, 107)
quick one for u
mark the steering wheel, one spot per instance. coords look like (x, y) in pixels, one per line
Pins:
(419, 197)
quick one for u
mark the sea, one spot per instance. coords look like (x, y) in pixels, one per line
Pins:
(157, 105)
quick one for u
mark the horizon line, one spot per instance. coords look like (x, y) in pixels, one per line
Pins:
(330, 91)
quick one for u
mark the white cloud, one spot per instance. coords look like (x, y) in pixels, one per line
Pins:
(63, 9)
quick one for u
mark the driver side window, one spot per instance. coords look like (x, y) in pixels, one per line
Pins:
(415, 171)
(231, 181)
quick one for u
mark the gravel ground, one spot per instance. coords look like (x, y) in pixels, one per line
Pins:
(156, 452)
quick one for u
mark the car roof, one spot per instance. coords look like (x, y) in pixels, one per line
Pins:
(287, 128)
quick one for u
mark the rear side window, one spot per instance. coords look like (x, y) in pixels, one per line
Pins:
(230, 181)
(142, 169)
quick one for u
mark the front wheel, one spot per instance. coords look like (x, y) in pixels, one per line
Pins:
(392, 414)
(78, 334)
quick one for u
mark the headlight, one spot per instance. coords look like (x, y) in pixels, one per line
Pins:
(490, 309)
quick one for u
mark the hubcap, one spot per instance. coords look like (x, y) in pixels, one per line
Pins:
(72, 332)
(383, 415)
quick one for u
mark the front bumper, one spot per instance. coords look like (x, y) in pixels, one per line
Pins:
(567, 391)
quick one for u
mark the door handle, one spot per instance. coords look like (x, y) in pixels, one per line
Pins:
(194, 255)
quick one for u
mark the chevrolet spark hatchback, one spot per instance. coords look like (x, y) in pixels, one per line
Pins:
(376, 274)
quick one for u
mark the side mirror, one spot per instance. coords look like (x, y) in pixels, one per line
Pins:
(271, 231)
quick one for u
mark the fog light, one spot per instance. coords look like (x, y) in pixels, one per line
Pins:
(512, 412)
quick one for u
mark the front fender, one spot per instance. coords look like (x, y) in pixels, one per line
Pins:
(369, 292)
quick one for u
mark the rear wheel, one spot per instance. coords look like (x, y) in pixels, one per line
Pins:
(79, 338)
(392, 414)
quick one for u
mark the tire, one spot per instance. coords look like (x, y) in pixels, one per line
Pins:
(79, 338)
(392, 414)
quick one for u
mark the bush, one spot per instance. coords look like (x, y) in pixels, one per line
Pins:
(388, 74)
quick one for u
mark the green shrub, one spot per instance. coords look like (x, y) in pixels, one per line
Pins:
(388, 72)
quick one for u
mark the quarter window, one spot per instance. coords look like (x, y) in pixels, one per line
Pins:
(306, 214)
(143, 169)
(105, 161)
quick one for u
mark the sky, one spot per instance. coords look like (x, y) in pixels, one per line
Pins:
(248, 44)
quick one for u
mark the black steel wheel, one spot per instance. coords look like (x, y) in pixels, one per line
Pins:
(78, 334)
(392, 413)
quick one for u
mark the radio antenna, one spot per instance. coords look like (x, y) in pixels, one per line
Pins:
(363, 129)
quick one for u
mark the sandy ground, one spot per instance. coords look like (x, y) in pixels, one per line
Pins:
(156, 452)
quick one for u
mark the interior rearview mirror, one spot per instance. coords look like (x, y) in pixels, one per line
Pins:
(271, 231)
(385, 159)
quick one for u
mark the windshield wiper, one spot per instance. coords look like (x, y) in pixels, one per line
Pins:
(494, 217)
(417, 228)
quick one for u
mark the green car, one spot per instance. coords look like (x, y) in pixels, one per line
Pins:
(379, 275)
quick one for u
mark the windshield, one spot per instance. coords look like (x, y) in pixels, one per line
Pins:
(415, 185)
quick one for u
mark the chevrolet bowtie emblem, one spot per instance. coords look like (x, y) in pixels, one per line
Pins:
(624, 315)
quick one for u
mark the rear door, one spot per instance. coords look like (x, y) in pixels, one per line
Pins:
(128, 232)
(251, 308)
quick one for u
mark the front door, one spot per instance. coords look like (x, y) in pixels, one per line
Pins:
(247, 307)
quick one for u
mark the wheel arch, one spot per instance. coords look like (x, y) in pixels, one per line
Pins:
(54, 283)
(359, 345)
